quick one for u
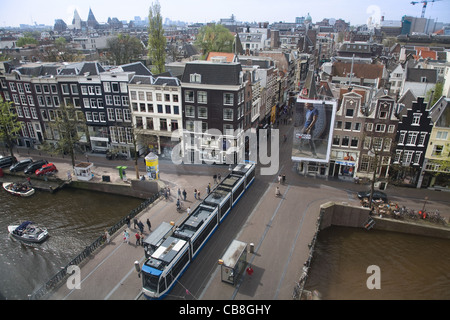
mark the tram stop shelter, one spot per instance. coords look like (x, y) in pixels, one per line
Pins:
(233, 262)
(83, 171)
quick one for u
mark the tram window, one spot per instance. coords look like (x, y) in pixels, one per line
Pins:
(169, 278)
(180, 264)
(225, 207)
(150, 281)
(202, 236)
(162, 284)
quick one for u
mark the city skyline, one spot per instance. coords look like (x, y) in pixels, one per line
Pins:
(355, 12)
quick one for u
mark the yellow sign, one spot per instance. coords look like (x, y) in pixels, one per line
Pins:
(152, 166)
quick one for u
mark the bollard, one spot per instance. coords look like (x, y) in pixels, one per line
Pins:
(138, 268)
(252, 247)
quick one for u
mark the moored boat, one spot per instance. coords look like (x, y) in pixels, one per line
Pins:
(18, 189)
(28, 231)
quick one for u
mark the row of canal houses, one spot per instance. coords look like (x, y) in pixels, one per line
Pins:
(122, 102)
(408, 135)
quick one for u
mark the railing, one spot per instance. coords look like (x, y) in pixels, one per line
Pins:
(299, 288)
(62, 274)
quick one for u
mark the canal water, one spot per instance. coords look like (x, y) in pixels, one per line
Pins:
(74, 219)
(410, 267)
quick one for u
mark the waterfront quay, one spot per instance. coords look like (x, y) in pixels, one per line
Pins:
(278, 229)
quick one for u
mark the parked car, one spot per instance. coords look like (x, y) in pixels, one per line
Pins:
(20, 165)
(46, 169)
(377, 195)
(34, 166)
(8, 161)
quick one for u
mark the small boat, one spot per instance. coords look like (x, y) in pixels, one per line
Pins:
(18, 189)
(28, 231)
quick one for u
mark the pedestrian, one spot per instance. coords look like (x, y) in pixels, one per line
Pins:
(219, 177)
(135, 222)
(126, 236)
(107, 237)
(208, 188)
(198, 195)
(195, 193)
(141, 226)
(142, 238)
(29, 181)
(215, 178)
(284, 178)
(179, 193)
(184, 194)
(188, 211)
(149, 225)
(138, 238)
(128, 220)
(279, 179)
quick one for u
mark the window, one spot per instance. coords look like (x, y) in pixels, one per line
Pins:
(412, 137)
(354, 142)
(110, 112)
(357, 126)
(168, 111)
(391, 128)
(117, 100)
(422, 137)
(190, 111)
(107, 86)
(336, 140)
(417, 156)
(416, 119)
(123, 87)
(349, 112)
(364, 163)
(345, 141)
(167, 97)
(163, 124)
(401, 138)
(228, 98)
(65, 88)
(176, 110)
(149, 122)
(348, 125)
(149, 96)
(108, 100)
(158, 97)
(189, 96)
(196, 78)
(228, 114)
(338, 125)
(202, 112)
(201, 97)
(437, 150)
(160, 108)
(118, 114)
(380, 127)
(377, 143)
(407, 157)
(369, 127)
(74, 88)
(115, 87)
(441, 135)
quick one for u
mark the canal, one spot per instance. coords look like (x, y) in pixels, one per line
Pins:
(74, 218)
(411, 267)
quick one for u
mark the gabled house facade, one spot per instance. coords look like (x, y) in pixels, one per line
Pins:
(413, 134)
(156, 112)
(215, 96)
(436, 172)
(379, 134)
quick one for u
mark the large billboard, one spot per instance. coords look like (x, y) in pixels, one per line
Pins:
(313, 130)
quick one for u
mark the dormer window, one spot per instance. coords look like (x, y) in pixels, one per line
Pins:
(423, 79)
(195, 78)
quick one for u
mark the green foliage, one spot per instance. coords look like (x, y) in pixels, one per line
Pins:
(214, 38)
(23, 41)
(124, 49)
(156, 39)
(9, 125)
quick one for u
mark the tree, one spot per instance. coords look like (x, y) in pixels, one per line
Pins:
(124, 48)
(214, 38)
(68, 129)
(23, 41)
(9, 125)
(156, 39)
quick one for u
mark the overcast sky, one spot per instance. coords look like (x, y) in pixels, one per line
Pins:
(13, 13)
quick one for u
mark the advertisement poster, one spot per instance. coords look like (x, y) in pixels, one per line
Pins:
(313, 130)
